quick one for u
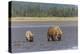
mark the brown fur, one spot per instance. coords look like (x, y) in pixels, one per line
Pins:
(54, 33)
(29, 36)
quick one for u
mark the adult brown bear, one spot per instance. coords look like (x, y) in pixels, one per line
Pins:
(54, 33)
(29, 36)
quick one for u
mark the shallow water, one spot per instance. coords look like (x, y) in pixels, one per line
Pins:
(19, 43)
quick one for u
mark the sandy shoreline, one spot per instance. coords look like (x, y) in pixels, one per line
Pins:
(40, 19)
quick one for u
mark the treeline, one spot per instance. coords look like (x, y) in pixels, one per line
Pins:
(37, 11)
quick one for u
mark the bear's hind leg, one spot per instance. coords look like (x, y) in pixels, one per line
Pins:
(48, 38)
(52, 37)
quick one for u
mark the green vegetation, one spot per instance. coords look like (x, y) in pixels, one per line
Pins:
(23, 9)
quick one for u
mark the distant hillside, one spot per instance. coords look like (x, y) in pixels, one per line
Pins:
(30, 9)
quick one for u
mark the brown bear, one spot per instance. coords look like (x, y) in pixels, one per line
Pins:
(29, 36)
(54, 33)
